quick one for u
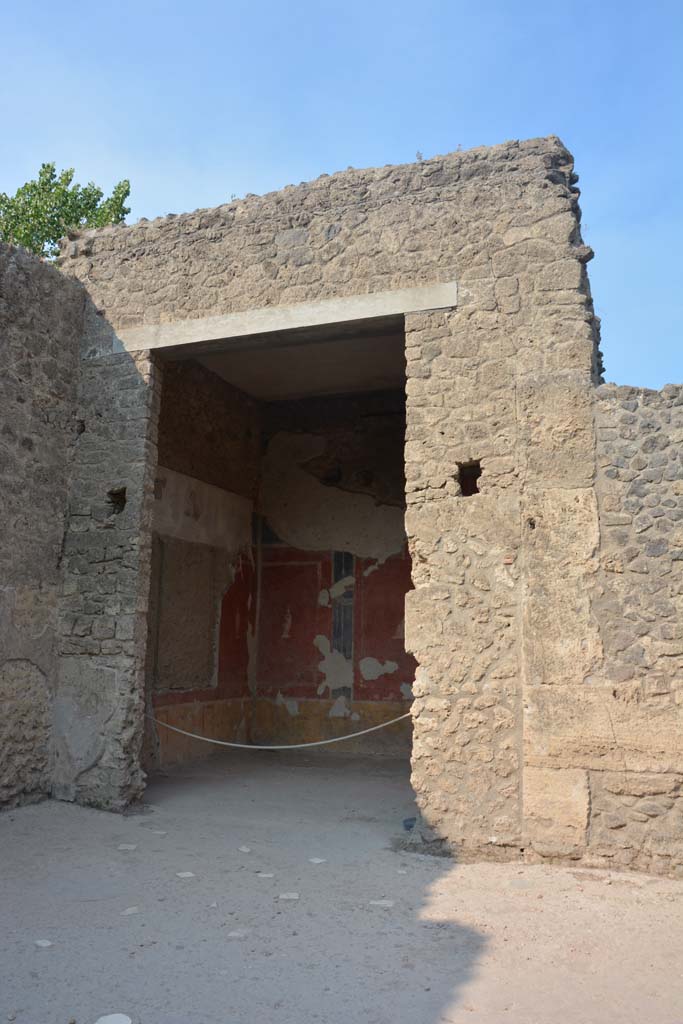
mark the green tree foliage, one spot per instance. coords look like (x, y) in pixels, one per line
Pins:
(45, 210)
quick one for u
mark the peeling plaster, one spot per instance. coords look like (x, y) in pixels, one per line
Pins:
(336, 669)
(289, 703)
(312, 516)
(198, 512)
(340, 709)
(338, 589)
(371, 668)
(252, 661)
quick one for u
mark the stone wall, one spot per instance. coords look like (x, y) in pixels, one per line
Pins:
(350, 233)
(99, 702)
(209, 430)
(546, 694)
(636, 757)
(603, 719)
(41, 316)
(78, 452)
(462, 618)
(505, 378)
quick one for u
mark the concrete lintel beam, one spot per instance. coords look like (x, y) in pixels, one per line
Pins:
(286, 318)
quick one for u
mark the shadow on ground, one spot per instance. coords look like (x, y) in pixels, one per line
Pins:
(229, 942)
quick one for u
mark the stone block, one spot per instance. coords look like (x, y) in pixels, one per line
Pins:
(592, 727)
(555, 810)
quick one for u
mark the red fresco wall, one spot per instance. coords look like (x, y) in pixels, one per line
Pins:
(379, 612)
(291, 616)
(238, 618)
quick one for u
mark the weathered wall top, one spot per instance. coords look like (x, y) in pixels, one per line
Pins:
(354, 232)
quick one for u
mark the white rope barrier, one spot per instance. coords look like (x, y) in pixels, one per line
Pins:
(285, 746)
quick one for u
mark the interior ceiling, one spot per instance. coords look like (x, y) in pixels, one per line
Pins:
(321, 361)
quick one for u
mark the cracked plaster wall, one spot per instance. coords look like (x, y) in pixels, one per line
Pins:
(208, 440)
(332, 477)
(205, 485)
(313, 516)
(41, 317)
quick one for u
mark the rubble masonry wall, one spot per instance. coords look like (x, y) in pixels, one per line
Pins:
(505, 378)
(546, 699)
(634, 759)
(41, 320)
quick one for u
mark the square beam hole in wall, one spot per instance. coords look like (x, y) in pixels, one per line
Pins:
(116, 500)
(468, 477)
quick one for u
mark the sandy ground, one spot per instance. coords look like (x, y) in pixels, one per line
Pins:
(375, 936)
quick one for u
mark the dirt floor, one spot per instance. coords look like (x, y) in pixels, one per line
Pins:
(186, 913)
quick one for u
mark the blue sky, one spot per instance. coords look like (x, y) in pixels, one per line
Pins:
(196, 102)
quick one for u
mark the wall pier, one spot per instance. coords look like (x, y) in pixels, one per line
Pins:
(99, 699)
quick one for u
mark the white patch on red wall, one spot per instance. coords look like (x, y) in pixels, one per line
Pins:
(371, 668)
(337, 670)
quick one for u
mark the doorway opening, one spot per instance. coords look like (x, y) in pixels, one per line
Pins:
(280, 564)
